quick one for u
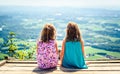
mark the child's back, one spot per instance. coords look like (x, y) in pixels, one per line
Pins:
(47, 56)
(47, 51)
(73, 56)
(72, 53)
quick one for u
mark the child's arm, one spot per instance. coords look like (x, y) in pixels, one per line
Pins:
(56, 47)
(83, 48)
(62, 51)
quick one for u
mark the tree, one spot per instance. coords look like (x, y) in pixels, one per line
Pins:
(12, 46)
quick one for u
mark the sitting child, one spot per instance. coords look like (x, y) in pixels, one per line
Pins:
(47, 51)
(72, 53)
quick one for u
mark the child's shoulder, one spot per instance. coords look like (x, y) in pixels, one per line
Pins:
(52, 41)
(39, 41)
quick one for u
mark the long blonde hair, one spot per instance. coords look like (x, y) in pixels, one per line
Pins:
(48, 33)
(73, 32)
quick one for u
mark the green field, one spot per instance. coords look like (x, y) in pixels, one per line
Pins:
(25, 54)
(90, 50)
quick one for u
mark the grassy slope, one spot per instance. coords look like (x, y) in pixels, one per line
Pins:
(90, 50)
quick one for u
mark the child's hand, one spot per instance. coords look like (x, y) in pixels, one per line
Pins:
(59, 63)
(84, 55)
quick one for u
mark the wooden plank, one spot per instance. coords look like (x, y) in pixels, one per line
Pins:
(90, 65)
(2, 72)
(4, 68)
(107, 61)
(2, 62)
(96, 72)
(21, 65)
(22, 69)
(100, 61)
(22, 62)
(30, 67)
(94, 69)
(17, 72)
(104, 65)
(61, 72)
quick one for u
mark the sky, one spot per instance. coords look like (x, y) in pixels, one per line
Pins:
(58, 3)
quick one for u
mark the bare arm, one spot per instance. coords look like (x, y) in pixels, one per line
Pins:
(62, 51)
(83, 48)
(56, 47)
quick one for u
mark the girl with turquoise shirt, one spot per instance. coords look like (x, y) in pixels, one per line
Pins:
(72, 53)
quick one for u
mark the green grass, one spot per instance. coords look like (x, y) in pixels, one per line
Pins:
(96, 57)
(90, 50)
(2, 56)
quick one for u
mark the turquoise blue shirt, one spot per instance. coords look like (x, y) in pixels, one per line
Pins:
(73, 56)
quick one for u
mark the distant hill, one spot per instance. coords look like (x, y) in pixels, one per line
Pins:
(100, 27)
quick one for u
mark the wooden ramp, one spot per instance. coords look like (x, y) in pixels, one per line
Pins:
(30, 67)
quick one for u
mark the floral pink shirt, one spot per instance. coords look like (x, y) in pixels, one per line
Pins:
(47, 56)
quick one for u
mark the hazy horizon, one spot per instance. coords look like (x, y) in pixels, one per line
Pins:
(114, 4)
